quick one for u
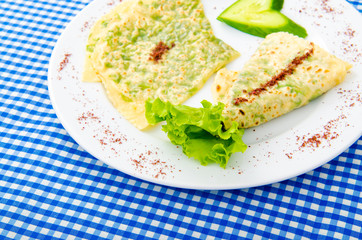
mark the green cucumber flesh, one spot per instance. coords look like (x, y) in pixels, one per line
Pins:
(255, 6)
(260, 18)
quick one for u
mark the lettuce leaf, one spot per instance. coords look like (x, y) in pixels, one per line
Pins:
(198, 130)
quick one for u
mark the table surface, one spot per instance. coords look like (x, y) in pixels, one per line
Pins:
(51, 188)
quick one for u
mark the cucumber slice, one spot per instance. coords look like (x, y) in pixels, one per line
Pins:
(257, 5)
(260, 18)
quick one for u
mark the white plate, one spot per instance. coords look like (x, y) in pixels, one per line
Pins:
(276, 151)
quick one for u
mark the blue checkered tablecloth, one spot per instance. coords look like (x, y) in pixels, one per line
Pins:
(50, 188)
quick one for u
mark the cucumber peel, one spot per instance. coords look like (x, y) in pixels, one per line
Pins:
(260, 18)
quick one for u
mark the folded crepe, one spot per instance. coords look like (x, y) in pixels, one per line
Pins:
(285, 73)
(153, 48)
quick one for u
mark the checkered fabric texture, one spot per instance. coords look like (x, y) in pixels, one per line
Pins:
(50, 188)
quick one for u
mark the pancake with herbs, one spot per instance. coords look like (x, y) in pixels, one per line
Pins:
(153, 48)
(285, 72)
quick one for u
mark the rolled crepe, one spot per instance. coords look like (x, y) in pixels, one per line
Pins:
(285, 73)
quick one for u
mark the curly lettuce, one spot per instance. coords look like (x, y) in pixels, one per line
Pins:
(199, 131)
